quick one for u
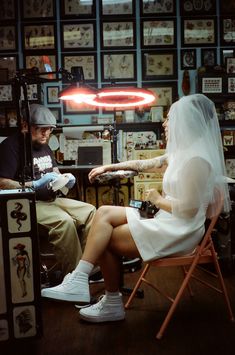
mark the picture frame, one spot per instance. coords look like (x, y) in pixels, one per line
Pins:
(188, 58)
(225, 53)
(117, 34)
(87, 61)
(80, 36)
(73, 9)
(8, 10)
(33, 93)
(8, 38)
(157, 8)
(199, 32)
(208, 57)
(159, 65)
(212, 85)
(230, 65)
(195, 8)
(73, 108)
(227, 34)
(39, 36)
(166, 93)
(45, 11)
(158, 33)
(6, 94)
(10, 62)
(118, 66)
(41, 62)
(117, 8)
(56, 111)
(231, 85)
(52, 94)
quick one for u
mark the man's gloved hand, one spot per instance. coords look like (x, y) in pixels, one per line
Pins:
(44, 180)
(71, 181)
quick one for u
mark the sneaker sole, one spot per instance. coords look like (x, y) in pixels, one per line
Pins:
(101, 319)
(69, 298)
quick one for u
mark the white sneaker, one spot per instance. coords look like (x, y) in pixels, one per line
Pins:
(103, 311)
(74, 288)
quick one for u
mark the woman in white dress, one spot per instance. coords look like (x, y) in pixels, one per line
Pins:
(195, 166)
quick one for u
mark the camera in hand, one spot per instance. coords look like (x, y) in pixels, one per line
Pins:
(146, 209)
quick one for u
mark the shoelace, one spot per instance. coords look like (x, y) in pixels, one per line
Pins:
(99, 305)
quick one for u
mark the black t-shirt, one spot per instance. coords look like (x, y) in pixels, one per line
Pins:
(11, 153)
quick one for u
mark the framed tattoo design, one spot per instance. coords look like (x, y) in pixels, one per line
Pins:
(165, 92)
(78, 9)
(231, 85)
(81, 36)
(159, 65)
(195, 8)
(8, 10)
(226, 53)
(52, 94)
(8, 38)
(188, 59)
(42, 62)
(158, 33)
(118, 66)
(117, 8)
(212, 85)
(38, 36)
(45, 11)
(70, 107)
(33, 93)
(208, 57)
(118, 34)
(227, 35)
(87, 61)
(198, 32)
(157, 8)
(230, 65)
(6, 94)
(9, 62)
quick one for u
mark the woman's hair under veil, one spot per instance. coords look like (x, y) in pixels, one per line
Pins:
(196, 157)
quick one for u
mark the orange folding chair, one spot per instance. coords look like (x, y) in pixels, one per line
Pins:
(203, 254)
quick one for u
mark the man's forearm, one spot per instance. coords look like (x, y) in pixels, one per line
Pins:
(8, 184)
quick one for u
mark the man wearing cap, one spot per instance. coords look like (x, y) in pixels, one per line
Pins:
(61, 217)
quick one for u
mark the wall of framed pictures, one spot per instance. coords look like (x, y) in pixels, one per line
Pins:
(136, 43)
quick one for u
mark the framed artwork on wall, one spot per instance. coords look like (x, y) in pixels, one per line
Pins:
(118, 34)
(45, 11)
(231, 85)
(225, 53)
(52, 94)
(188, 59)
(195, 8)
(86, 61)
(42, 62)
(73, 108)
(159, 65)
(227, 35)
(38, 36)
(124, 8)
(158, 33)
(208, 57)
(56, 111)
(157, 8)
(8, 38)
(78, 9)
(166, 93)
(9, 62)
(6, 94)
(33, 93)
(212, 85)
(8, 10)
(118, 66)
(230, 65)
(198, 32)
(80, 36)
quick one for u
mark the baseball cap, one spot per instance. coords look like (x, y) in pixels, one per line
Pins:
(41, 116)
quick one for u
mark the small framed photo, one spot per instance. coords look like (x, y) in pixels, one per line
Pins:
(8, 38)
(42, 63)
(124, 8)
(188, 59)
(118, 66)
(38, 36)
(208, 57)
(86, 61)
(6, 94)
(9, 62)
(159, 65)
(212, 85)
(227, 35)
(56, 111)
(198, 32)
(52, 94)
(165, 92)
(45, 11)
(230, 65)
(225, 53)
(81, 36)
(195, 8)
(231, 85)
(158, 33)
(8, 10)
(118, 34)
(158, 8)
(78, 9)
